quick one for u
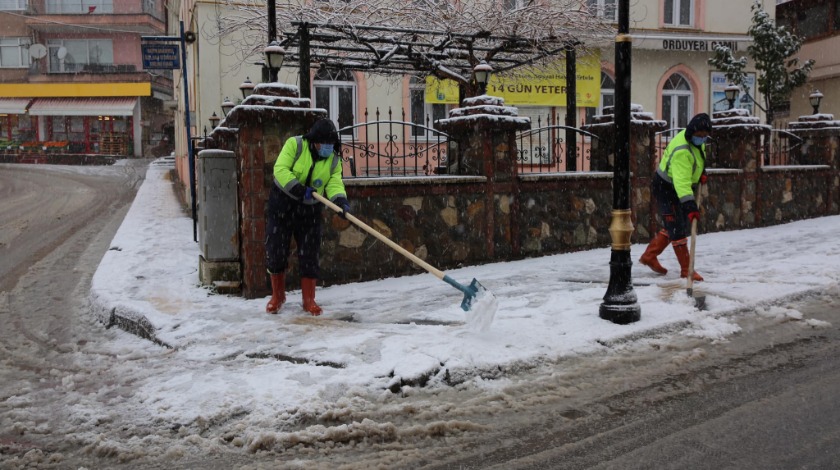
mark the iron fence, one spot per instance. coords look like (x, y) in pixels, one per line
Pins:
(781, 147)
(393, 147)
(544, 148)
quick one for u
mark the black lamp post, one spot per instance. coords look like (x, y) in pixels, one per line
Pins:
(247, 87)
(815, 97)
(731, 93)
(227, 105)
(482, 73)
(214, 120)
(620, 303)
(274, 55)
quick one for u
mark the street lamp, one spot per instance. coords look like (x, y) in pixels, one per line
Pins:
(227, 105)
(214, 120)
(621, 305)
(274, 55)
(482, 73)
(815, 97)
(247, 87)
(731, 93)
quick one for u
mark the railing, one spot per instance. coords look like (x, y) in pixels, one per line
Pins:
(543, 149)
(389, 147)
(781, 147)
(663, 138)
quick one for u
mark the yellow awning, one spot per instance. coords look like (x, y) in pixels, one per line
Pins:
(74, 90)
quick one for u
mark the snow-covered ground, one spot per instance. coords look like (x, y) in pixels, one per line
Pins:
(392, 336)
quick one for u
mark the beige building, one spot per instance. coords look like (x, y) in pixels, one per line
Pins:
(818, 23)
(672, 42)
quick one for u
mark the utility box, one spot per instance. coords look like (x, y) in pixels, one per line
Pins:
(218, 219)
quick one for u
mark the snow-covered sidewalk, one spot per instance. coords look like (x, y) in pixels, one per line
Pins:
(381, 336)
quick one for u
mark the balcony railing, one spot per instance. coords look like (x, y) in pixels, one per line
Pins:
(95, 68)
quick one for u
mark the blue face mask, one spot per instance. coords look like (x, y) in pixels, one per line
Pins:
(325, 151)
(698, 141)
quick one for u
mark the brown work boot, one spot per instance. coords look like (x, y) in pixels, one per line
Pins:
(307, 285)
(278, 293)
(655, 248)
(681, 250)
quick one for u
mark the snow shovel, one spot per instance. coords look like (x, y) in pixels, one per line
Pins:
(699, 301)
(478, 301)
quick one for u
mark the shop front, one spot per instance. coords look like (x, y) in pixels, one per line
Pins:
(55, 123)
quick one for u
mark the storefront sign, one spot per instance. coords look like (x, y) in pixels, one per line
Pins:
(663, 42)
(161, 56)
(696, 45)
(534, 88)
(549, 88)
(441, 91)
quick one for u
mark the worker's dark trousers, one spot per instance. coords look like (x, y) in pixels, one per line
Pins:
(670, 209)
(287, 218)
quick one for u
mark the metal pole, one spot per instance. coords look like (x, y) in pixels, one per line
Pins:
(571, 108)
(190, 146)
(303, 53)
(620, 303)
(272, 35)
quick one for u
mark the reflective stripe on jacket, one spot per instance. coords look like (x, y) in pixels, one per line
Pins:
(293, 168)
(682, 165)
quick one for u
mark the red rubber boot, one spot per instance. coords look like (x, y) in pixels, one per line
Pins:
(307, 285)
(278, 293)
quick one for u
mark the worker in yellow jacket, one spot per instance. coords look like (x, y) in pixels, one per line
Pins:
(683, 165)
(306, 164)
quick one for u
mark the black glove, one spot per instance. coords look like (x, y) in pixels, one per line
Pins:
(690, 209)
(344, 205)
(298, 191)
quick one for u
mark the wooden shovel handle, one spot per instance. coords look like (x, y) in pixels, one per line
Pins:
(691, 251)
(428, 267)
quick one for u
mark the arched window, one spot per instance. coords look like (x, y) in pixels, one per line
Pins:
(677, 101)
(607, 97)
(422, 113)
(335, 91)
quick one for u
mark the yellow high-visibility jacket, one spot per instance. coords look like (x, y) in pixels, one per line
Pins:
(293, 167)
(682, 165)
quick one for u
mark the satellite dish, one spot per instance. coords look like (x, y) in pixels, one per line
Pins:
(62, 52)
(37, 51)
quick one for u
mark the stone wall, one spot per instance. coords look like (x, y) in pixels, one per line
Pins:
(484, 211)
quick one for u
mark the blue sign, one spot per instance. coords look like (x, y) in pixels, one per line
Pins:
(161, 56)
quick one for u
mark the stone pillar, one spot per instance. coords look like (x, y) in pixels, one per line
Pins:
(737, 144)
(483, 143)
(256, 130)
(820, 135)
(643, 159)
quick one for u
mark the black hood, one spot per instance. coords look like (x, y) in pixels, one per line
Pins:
(700, 122)
(322, 132)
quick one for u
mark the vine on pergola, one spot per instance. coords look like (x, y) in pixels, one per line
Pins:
(420, 37)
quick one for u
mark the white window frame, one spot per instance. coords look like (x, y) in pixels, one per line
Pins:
(58, 43)
(600, 8)
(22, 46)
(428, 110)
(333, 112)
(673, 95)
(79, 7)
(13, 5)
(677, 5)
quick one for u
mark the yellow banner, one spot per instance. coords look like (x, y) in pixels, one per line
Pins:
(441, 91)
(539, 88)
